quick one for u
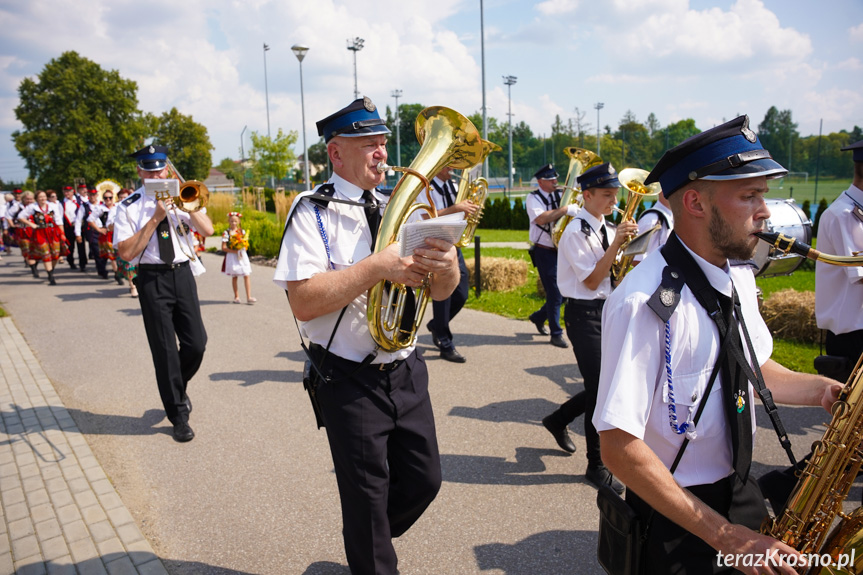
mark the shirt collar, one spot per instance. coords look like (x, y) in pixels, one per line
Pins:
(719, 278)
(855, 194)
(346, 188)
(594, 222)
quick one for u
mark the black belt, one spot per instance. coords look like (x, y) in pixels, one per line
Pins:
(355, 365)
(545, 247)
(162, 267)
(585, 303)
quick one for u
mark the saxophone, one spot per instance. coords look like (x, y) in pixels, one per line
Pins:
(836, 459)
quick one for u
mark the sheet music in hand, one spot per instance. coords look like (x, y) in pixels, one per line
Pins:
(412, 235)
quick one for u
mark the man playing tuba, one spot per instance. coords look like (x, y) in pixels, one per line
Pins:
(374, 404)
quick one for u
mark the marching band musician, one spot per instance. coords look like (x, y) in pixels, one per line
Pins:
(661, 357)
(444, 197)
(659, 213)
(70, 203)
(587, 250)
(143, 236)
(374, 404)
(839, 289)
(101, 220)
(89, 234)
(543, 209)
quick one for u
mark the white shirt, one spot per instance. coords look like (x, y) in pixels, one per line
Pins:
(577, 256)
(70, 209)
(632, 376)
(437, 197)
(50, 209)
(133, 213)
(535, 207)
(79, 216)
(303, 254)
(648, 220)
(96, 214)
(839, 289)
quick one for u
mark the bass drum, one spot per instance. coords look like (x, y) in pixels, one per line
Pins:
(785, 217)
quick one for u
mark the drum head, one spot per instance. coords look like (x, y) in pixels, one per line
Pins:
(785, 217)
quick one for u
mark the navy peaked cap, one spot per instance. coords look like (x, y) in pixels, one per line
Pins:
(601, 176)
(730, 151)
(151, 158)
(547, 172)
(359, 118)
(857, 148)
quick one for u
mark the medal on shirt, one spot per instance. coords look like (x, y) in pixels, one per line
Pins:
(740, 400)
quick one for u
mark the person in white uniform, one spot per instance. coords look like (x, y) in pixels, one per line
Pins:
(839, 289)
(373, 403)
(657, 214)
(661, 352)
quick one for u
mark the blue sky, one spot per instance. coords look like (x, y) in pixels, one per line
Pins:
(708, 60)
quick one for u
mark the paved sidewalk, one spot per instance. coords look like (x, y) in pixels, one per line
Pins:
(60, 512)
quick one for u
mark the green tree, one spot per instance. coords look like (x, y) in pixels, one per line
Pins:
(778, 133)
(271, 157)
(318, 157)
(188, 144)
(80, 121)
(233, 170)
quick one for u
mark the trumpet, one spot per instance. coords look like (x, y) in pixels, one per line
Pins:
(633, 180)
(192, 196)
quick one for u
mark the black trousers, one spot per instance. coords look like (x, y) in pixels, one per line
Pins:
(81, 248)
(848, 345)
(545, 260)
(583, 321)
(446, 310)
(381, 431)
(91, 238)
(672, 549)
(171, 311)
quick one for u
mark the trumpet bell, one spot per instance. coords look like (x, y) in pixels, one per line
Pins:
(193, 196)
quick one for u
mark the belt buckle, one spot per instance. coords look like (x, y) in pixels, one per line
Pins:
(383, 367)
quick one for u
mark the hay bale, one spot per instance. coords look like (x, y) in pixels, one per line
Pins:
(790, 314)
(499, 274)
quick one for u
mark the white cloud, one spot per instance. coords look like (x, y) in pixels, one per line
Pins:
(856, 33)
(850, 65)
(556, 7)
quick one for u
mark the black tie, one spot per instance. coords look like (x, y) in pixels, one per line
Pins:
(166, 244)
(604, 235)
(735, 390)
(449, 194)
(373, 214)
(555, 200)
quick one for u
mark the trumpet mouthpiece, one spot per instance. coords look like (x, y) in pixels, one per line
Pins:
(383, 167)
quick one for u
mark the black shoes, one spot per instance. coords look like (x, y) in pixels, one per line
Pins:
(600, 475)
(182, 432)
(558, 341)
(452, 355)
(560, 434)
(540, 326)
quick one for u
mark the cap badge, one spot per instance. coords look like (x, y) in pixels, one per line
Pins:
(368, 104)
(747, 133)
(611, 169)
(666, 297)
(151, 150)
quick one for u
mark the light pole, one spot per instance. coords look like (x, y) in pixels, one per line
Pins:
(355, 46)
(266, 90)
(300, 52)
(509, 81)
(243, 156)
(598, 106)
(482, 52)
(398, 94)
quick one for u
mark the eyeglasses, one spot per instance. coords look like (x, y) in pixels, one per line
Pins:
(107, 197)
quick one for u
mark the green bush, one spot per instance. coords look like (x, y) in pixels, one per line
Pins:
(822, 206)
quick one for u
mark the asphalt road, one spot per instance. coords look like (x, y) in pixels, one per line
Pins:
(255, 492)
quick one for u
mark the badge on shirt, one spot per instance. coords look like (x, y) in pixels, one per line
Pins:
(165, 234)
(183, 228)
(740, 400)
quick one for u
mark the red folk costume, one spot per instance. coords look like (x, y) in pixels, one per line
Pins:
(47, 242)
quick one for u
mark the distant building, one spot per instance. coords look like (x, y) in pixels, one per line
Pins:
(217, 181)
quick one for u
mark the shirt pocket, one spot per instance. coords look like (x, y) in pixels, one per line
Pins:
(688, 392)
(344, 254)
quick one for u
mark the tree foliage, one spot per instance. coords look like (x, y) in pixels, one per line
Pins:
(80, 121)
(271, 157)
(187, 141)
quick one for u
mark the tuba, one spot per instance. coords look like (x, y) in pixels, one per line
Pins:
(448, 139)
(474, 191)
(633, 180)
(579, 161)
(836, 459)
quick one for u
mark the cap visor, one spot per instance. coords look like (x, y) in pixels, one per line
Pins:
(764, 167)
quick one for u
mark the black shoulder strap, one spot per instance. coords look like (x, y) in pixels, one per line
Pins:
(662, 217)
(585, 227)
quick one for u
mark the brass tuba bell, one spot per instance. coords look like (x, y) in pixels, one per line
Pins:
(632, 179)
(580, 160)
(448, 139)
(474, 191)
